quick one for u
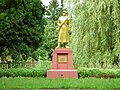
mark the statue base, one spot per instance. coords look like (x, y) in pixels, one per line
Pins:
(62, 64)
(62, 74)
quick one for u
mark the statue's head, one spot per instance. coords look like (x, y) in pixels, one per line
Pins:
(64, 13)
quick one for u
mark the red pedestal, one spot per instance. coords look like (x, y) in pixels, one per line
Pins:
(62, 64)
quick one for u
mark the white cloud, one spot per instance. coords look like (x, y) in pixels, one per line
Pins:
(46, 2)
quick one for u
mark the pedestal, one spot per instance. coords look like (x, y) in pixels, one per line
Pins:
(62, 64)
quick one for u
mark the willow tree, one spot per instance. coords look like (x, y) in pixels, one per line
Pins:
(96, 33)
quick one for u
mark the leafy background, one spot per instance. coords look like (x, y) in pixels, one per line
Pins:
(28, 29)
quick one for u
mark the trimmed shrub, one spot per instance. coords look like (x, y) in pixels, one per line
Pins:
(99, 73)
(22, 72)
(82, 72)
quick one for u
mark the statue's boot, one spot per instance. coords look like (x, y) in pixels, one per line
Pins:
(58, 45)
(65, 45)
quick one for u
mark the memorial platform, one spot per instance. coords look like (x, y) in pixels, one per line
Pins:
(62, 64)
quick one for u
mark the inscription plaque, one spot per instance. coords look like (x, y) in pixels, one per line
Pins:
(62, 58)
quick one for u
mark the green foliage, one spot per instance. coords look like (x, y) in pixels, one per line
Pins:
(43, 64)
(96, 33)
(22, 72)
(21, 27)
(54, 10)
(41, 69)
(99, 73)
(50, 36)
(49, 42)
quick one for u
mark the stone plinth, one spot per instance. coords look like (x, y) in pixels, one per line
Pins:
(62, 73)
(62, 64)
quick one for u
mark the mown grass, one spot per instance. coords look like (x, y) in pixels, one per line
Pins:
(45, 83)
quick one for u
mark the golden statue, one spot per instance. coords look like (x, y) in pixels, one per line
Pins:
(63, 30)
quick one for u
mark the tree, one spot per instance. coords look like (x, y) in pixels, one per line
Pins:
(96, 32)
(21, 27)
(53, 11)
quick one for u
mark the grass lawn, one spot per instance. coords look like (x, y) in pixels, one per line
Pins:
(45, 83)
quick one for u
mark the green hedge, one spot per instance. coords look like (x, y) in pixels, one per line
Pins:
(82, 72)
(99, 73)
(22, 72)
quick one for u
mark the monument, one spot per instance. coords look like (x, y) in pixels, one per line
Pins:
(62, 64)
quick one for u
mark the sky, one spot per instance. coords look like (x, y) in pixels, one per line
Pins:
(46, 2)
